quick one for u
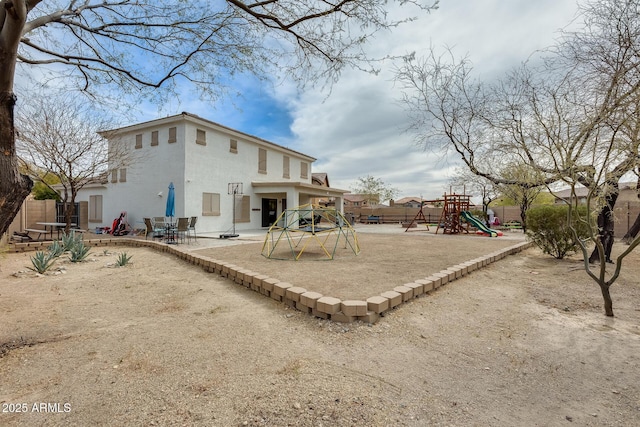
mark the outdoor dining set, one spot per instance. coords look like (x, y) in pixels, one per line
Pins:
(171, 231)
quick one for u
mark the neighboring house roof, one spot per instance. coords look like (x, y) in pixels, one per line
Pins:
(584, 192)
(194, 118)
(350, 197)
(320, 178)
(408, 200)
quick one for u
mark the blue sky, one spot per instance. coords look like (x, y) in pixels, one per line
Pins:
(357, 128)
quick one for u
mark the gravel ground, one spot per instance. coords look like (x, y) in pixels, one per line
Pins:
(160, 342)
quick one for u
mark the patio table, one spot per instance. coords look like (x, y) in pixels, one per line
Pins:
(170, 233)
(51, 225)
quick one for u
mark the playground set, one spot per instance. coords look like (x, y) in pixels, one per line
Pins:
(312, 230)
(456, 216)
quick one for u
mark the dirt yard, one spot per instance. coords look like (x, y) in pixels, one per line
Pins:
(160, 342)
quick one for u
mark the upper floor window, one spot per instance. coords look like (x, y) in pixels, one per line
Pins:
(262, 160)
(173, 137)
(233, 146)
(285, 166)
(154, 138)
(304, 170)
(201, 137)
(139, 140)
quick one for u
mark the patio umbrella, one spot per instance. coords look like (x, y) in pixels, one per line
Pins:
(171, 202)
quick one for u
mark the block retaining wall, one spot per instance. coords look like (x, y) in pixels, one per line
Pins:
(308, 301)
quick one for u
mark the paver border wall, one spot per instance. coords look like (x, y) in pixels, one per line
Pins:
(300, 298)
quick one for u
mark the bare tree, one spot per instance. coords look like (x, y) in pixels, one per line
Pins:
(477, 185)
(140, 46)
(374, 190)
(569, 116)
(63, 137)
(523, 195)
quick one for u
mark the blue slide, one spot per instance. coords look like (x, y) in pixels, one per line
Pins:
(479, 224)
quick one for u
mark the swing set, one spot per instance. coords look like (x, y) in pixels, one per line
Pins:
(453, 205)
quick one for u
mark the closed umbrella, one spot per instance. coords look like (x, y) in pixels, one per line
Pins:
(171, 202)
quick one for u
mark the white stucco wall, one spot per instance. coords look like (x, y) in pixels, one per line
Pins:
(194, 169)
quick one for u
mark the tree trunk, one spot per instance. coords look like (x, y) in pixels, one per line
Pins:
(14, 187)
(606, 296)
(70, 210)
(605, 227)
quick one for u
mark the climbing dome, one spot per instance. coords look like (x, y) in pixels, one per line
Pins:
(312, 232)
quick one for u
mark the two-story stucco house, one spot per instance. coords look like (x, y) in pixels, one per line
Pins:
(202, 159)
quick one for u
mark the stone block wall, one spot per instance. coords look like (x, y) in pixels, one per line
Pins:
(303, 299)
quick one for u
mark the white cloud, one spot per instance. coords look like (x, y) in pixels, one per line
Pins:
(358, 129)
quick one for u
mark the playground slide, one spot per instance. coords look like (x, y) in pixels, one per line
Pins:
(479, 224)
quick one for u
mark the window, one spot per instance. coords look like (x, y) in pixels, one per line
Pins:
(95, 208)
(114, 175)
(154, 138)
(173, 135)
(201, 137)
(210, 204)
(285, 166)
(139, 140)
(304, 170)
(243, 209)
(262, 160)
(233, 146)
(123, 175)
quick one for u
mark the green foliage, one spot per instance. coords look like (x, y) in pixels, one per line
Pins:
(42, 261)
(79, 252)
(374, 190)
(71, 240)
(548, 228)
(123, 259)
(543, 198)
(41, 191)
(56, 249)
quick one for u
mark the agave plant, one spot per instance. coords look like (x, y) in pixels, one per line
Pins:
(123, 259)
(42, 261)
(70, 240)
(79, 252)
(56, 249)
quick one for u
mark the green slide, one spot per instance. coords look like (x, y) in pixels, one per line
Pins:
(479, 224)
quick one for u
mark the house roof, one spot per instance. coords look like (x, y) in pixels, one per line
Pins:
(354, 197)
(260, 187)
(584, 192)
(404, 200)
(195, 118)
(321, 178)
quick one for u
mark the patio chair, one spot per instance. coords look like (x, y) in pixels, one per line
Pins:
(192, 227)
(182, 228)
(156, 233)
(158, 222)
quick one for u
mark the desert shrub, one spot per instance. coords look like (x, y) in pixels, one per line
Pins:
(123, 259)
(78, 252)
(42, 261)
(56, 249)
(71, 240)
(547, 228)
